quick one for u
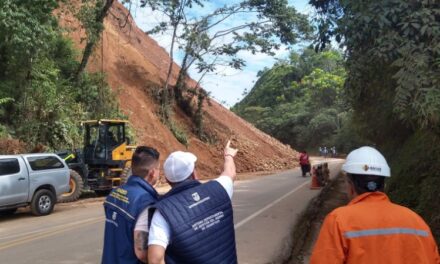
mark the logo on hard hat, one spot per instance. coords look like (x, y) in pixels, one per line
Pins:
(366, 168)
(196, 197)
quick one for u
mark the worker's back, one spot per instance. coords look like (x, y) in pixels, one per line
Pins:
(371, 229)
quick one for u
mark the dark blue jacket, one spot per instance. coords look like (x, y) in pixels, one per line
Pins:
(201, 223)
(122, 208)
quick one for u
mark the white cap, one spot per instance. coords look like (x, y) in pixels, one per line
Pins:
(367, 161)
(179, 165)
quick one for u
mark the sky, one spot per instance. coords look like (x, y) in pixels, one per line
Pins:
(226, 85)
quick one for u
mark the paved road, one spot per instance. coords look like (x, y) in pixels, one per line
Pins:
(264, 210)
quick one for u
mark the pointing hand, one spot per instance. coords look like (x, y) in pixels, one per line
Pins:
(230, 151)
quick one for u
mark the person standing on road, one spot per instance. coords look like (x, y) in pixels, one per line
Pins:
(371, 229)
(304, 162)
(123, 245)
(334, 151)
(193, 223)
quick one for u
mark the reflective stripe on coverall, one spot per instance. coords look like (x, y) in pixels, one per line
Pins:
(371, 229)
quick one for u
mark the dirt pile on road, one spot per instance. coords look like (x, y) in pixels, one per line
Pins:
(136, 68)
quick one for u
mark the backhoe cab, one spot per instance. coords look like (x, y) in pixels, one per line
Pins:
(104, 161)
(105, 142)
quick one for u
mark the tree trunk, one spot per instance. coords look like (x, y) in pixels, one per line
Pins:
(88, 50)
(180, 83)
(198, 118)
(170, 67)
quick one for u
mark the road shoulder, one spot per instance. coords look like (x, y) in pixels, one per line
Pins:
(267, 238)
(307, 227)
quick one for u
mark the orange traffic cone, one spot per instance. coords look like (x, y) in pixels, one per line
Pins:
(314, 184)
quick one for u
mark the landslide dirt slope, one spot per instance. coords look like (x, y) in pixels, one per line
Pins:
(136, 67)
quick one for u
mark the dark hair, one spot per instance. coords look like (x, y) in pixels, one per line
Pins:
(143, 160)
(367, 183)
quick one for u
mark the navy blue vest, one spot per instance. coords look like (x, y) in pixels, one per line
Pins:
(122, 208)
(201, 223)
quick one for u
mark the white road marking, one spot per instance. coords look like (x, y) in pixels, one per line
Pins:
(34, 235)
(247, 219)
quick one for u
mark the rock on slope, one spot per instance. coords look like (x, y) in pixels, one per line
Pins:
(136, 67)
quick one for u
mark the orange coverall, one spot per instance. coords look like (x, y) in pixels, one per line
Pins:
(373, 230)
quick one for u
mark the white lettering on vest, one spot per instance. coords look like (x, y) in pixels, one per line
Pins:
(208, 222)
(199, 202)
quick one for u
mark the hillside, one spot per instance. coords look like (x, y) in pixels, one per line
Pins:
(301, 103)
(136, 66)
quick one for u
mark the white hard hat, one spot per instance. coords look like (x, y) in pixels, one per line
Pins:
(367, 161)
(179, 165)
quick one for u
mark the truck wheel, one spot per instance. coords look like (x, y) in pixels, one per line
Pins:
(43, 202)
(76, 185)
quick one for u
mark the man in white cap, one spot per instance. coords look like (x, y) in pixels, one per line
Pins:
(372, 229)
(193, 223)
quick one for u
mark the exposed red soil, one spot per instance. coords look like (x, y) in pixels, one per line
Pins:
(136, 68)
(12, 146)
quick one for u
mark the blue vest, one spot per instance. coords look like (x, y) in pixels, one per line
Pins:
(122, 208)
(201, 223)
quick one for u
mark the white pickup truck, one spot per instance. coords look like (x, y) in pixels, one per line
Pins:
(32, 179)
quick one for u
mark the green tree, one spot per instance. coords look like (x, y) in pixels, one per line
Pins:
(400, 37)
(91, 15)
(210, 39)
(177, 14)
(28, 30)
(324, 89)
(37, 72)
(393, 87)
(301, 101)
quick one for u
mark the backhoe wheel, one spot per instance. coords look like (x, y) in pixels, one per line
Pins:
(43, 202)
(76, 185)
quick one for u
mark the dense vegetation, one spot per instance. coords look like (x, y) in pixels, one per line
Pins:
(301, 102)
(41, 98)
(393, 86)
(390, 98)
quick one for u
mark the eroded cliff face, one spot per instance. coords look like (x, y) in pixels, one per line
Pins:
(136, 68)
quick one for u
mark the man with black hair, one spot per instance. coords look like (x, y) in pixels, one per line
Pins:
(372, 229)
(124, 205)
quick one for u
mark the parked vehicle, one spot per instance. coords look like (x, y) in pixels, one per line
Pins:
(103, 162)
(32, 179)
